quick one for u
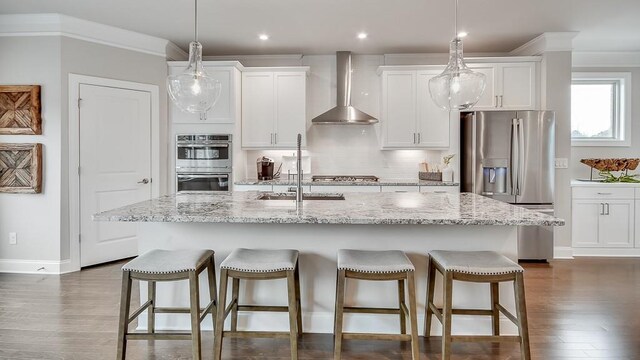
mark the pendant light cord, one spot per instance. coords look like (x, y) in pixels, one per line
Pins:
(455, 21)
(196, 20)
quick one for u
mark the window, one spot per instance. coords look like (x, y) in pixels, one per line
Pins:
(600, 109)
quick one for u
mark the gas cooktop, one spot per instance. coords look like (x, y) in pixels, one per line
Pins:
(345, 178)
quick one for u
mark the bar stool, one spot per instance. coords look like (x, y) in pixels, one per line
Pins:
(252, 264)
(480, 267)
(165, 265)
(376, 266)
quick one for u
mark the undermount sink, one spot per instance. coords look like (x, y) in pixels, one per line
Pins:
(292, 196)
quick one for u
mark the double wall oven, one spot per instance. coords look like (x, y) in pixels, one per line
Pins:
(203, 162)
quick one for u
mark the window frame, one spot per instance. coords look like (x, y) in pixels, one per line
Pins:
(621, 102)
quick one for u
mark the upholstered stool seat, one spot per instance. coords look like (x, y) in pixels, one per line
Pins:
(259, 264)
(475, 262)
(165, 265)
(168, 261)
(380, 262)
(478, 267)
(260, 260)
(391, 265)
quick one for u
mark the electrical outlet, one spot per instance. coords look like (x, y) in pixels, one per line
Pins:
(562, 163)
(13, 238)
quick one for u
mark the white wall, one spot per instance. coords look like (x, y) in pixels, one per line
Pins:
(351, 150)
(581, 171)
(34, 217)
(41, 221)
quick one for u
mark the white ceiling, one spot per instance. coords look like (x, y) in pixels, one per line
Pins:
(231, 27)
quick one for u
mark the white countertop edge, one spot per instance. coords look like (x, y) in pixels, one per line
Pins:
(578, 183)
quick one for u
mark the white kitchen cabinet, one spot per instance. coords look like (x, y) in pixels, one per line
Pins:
(410, 118)
(224, 110)
(273, 108)
(286, 188)
(603, 223)
(256, 187)
(510, 86)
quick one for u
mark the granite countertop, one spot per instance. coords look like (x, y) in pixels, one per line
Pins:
(357, 208)
(381, 182)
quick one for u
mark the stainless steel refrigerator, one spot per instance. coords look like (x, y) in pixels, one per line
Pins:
(509, 156)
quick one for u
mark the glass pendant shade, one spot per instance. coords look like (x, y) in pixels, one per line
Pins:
(458, 87)
(194, 90)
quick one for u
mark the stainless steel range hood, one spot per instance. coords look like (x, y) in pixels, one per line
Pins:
(344, 113)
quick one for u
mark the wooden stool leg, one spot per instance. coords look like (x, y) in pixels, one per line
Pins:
(222, 303)
(401, 300)
(194, 295)
(413, 316)
(431, 284)
(298, 301)
(337, 332)
(495, 301)
(151, 314)
(293, 314)
(123, 325)
(213, 289)
(235, 292)
(446, 315)
(521, 309)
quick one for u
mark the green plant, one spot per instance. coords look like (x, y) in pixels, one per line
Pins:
(609, 177)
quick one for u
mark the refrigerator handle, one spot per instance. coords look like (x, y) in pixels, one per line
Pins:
(520, 154)
(514, 155)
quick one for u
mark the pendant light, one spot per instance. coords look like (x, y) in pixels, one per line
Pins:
(458, 87)
(194, 90)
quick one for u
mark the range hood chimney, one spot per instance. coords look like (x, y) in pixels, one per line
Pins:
(344, 113)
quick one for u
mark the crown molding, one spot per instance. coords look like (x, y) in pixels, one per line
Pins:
(605, 59)
(547, 42)
(67, 26)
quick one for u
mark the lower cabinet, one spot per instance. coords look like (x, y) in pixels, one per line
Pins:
(344, 188)
(603, 222)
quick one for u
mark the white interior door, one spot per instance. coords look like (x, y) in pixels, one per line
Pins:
(115, 167)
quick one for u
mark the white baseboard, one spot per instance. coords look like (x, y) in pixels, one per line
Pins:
(607, 252)
(35, 266)
(563, 252)
(322, 323)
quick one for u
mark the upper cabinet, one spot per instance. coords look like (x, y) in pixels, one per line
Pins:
(273, 107)
(510, 86)
(410, 119)
(224, 111)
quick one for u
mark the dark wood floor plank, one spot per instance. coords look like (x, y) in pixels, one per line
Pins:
(579, 309)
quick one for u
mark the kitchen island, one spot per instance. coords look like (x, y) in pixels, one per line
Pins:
(412, 222)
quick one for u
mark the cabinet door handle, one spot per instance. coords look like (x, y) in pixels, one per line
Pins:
(501, 101)
(601, 209)
(419, 138)
(607, 204)
(414, 138)
(604, 193)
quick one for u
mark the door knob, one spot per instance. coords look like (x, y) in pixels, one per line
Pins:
(143, 181)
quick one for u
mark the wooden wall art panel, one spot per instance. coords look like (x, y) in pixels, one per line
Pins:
(20, 110)
(20, 168)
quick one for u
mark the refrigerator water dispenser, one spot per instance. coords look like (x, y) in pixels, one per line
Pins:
(494, 176)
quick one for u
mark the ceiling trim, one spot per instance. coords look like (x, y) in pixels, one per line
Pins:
(605, 59)
(63, 25)
(547, 42)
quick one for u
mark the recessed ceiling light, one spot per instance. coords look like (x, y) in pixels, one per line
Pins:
(362, 35)
(263, 37)
(462, 34)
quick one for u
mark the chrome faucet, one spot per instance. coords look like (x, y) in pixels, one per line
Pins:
(299, 171)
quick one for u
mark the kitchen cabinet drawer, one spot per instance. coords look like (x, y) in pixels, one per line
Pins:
(344, 188)
(603, 193)
(400, 189)
(440, 189)
(252, 188)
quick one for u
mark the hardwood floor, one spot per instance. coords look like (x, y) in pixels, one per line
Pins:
(578, 309)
